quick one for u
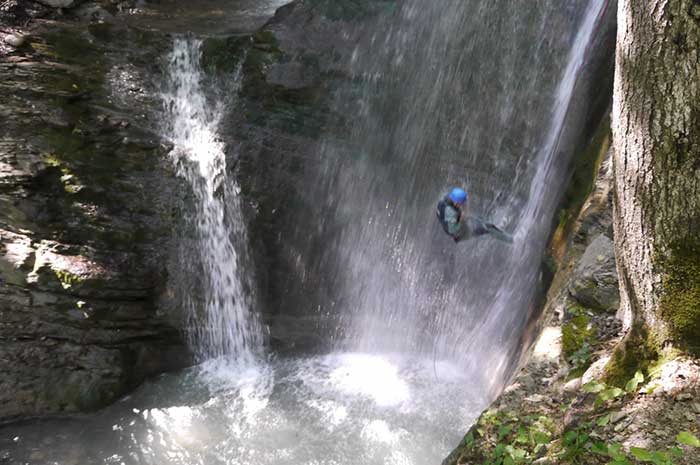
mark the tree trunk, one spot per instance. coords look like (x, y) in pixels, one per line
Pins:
(656, 129)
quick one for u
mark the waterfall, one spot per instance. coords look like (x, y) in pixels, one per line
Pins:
(535, 219)
(220, 320)
(452, 93)
(443, 92)
(537, 204)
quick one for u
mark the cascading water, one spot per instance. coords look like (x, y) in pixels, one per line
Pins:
(449, 98)
(535, 218)
(449, 91)
(222, 324)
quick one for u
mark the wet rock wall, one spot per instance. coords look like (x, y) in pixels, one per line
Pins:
(85, 221)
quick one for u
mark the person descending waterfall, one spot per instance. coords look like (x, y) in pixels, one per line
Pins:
(450, 213)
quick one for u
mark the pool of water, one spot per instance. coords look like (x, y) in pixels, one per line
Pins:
(337, 409)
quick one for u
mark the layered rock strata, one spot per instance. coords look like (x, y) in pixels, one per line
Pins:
(86, 216)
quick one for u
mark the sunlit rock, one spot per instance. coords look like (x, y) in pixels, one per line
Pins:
(15, 40)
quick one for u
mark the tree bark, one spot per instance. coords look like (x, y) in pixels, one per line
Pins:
(656, 140)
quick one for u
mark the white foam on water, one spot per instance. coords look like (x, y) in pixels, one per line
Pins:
(334, 413)
(379, 431)
(325, 410)
(371, 376)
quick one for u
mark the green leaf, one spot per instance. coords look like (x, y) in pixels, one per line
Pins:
(659, 458)
(593, 387)
(609, 394)
(650, 388)
(634, 383)
(541, 438)
(620, 461)
(519, 454)
(503, 431)
(599, 448)
(676, 451)
(469, 439)
(615, 451)
(603, 421)
(641, 454)
(508, 461)
(570, 437)
(583, 438)
(498, 451)
(687, 438)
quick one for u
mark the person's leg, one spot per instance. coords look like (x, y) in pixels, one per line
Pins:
(474, 227)
(498, 233)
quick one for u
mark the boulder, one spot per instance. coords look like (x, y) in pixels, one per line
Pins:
(573, 386)
(594, 282)
(595, 371)
(14, 40)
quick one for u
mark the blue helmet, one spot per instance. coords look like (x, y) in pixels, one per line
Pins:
(458, 195)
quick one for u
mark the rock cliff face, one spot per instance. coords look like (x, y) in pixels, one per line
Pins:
(293, 69)
(85, 221)
(90, 202)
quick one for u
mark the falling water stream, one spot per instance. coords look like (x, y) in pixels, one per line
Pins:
(407, 380)
(225, 326)
(450, 99)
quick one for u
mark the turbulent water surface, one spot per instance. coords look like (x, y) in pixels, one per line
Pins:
(426, 341)
(338, 409)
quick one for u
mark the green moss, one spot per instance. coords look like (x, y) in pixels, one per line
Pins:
(637, 351)
(70, 182)
(223, 55)
(67, 279)
(578, 339)
(666, 356)
(680, 298)
(575, 333)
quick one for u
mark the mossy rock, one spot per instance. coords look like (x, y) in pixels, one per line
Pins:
(224, 55)
(579, 337)
(577, 331)
(636, 352)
